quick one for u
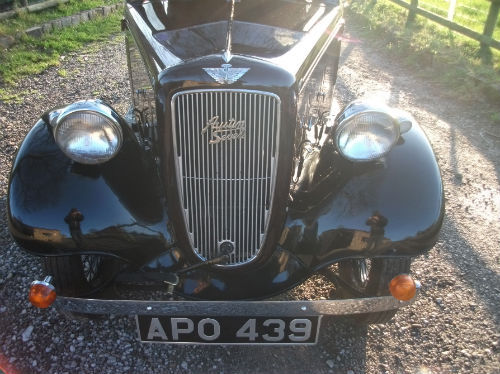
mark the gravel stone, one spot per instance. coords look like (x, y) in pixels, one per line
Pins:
(456, 272)
(27, 333)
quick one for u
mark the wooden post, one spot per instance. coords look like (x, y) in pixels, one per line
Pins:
(490, 24)
(412, 12)
(451, 9)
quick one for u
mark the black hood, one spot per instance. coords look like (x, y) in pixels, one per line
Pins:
(260, 28)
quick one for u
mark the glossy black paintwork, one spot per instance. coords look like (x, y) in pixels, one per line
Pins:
(281, 271)
(328, 220)
(180, 14)
(288, 34)
(121, 201)
(393, 206)
(129, 207)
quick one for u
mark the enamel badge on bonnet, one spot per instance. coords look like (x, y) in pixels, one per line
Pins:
(226, 74)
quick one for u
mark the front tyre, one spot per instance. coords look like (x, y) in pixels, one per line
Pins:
(78, 276)
(370, 278)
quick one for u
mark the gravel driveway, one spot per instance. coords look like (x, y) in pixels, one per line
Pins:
(453, 327)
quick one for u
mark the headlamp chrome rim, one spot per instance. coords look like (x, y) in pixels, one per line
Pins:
(347, 121)
(91, 107)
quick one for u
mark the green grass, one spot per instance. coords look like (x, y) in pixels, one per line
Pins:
(433, 50)
(26, 20)
(468, 13)
(32, 56)
(11, 96)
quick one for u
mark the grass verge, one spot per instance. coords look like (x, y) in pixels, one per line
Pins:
(468, 13)
(33, 56)
(430, 49)
(25, 20)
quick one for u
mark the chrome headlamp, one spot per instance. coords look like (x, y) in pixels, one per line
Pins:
(88, 132)
(366, 132)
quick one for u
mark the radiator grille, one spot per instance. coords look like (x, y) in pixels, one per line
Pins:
(225, 142)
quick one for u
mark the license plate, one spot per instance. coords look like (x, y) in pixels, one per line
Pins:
(228, 330)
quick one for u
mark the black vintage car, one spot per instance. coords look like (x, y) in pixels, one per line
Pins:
(230, 180)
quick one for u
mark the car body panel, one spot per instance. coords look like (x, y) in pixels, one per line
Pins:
(322, 229)
(120, 202)
(129, 207)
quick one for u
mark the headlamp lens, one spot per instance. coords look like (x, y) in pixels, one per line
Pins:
(88, 137)
(366, 136)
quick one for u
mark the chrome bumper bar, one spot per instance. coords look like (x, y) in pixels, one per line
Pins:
(230, 308)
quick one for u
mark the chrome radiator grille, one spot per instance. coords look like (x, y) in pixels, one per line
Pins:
(226, 148)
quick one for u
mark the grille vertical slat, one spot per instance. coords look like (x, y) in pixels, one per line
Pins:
(254, 173)
(196, 171)
(243, 232)
(214, 200)
(188, 169)
(257, 158)
(226, 187)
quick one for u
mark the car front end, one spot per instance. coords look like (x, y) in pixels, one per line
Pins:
(229, 180)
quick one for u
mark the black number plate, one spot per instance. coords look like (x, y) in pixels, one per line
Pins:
(229, 330)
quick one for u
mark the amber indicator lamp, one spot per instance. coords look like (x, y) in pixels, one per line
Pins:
(403, 287)
(42, 293)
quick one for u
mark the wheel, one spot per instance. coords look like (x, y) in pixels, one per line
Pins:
(79, 275)
(76, 275)
(370, 277)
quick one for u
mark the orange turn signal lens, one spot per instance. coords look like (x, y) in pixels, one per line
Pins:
(403, 287)
(42, 294)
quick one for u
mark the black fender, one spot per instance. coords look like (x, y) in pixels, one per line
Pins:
(340, 209)
(57, 206)
(390, 207)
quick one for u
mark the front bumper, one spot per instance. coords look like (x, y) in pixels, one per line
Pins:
(231, 308)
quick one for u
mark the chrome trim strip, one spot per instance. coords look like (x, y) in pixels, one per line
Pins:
(224, 181)
(167, 58)
(263, 308)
